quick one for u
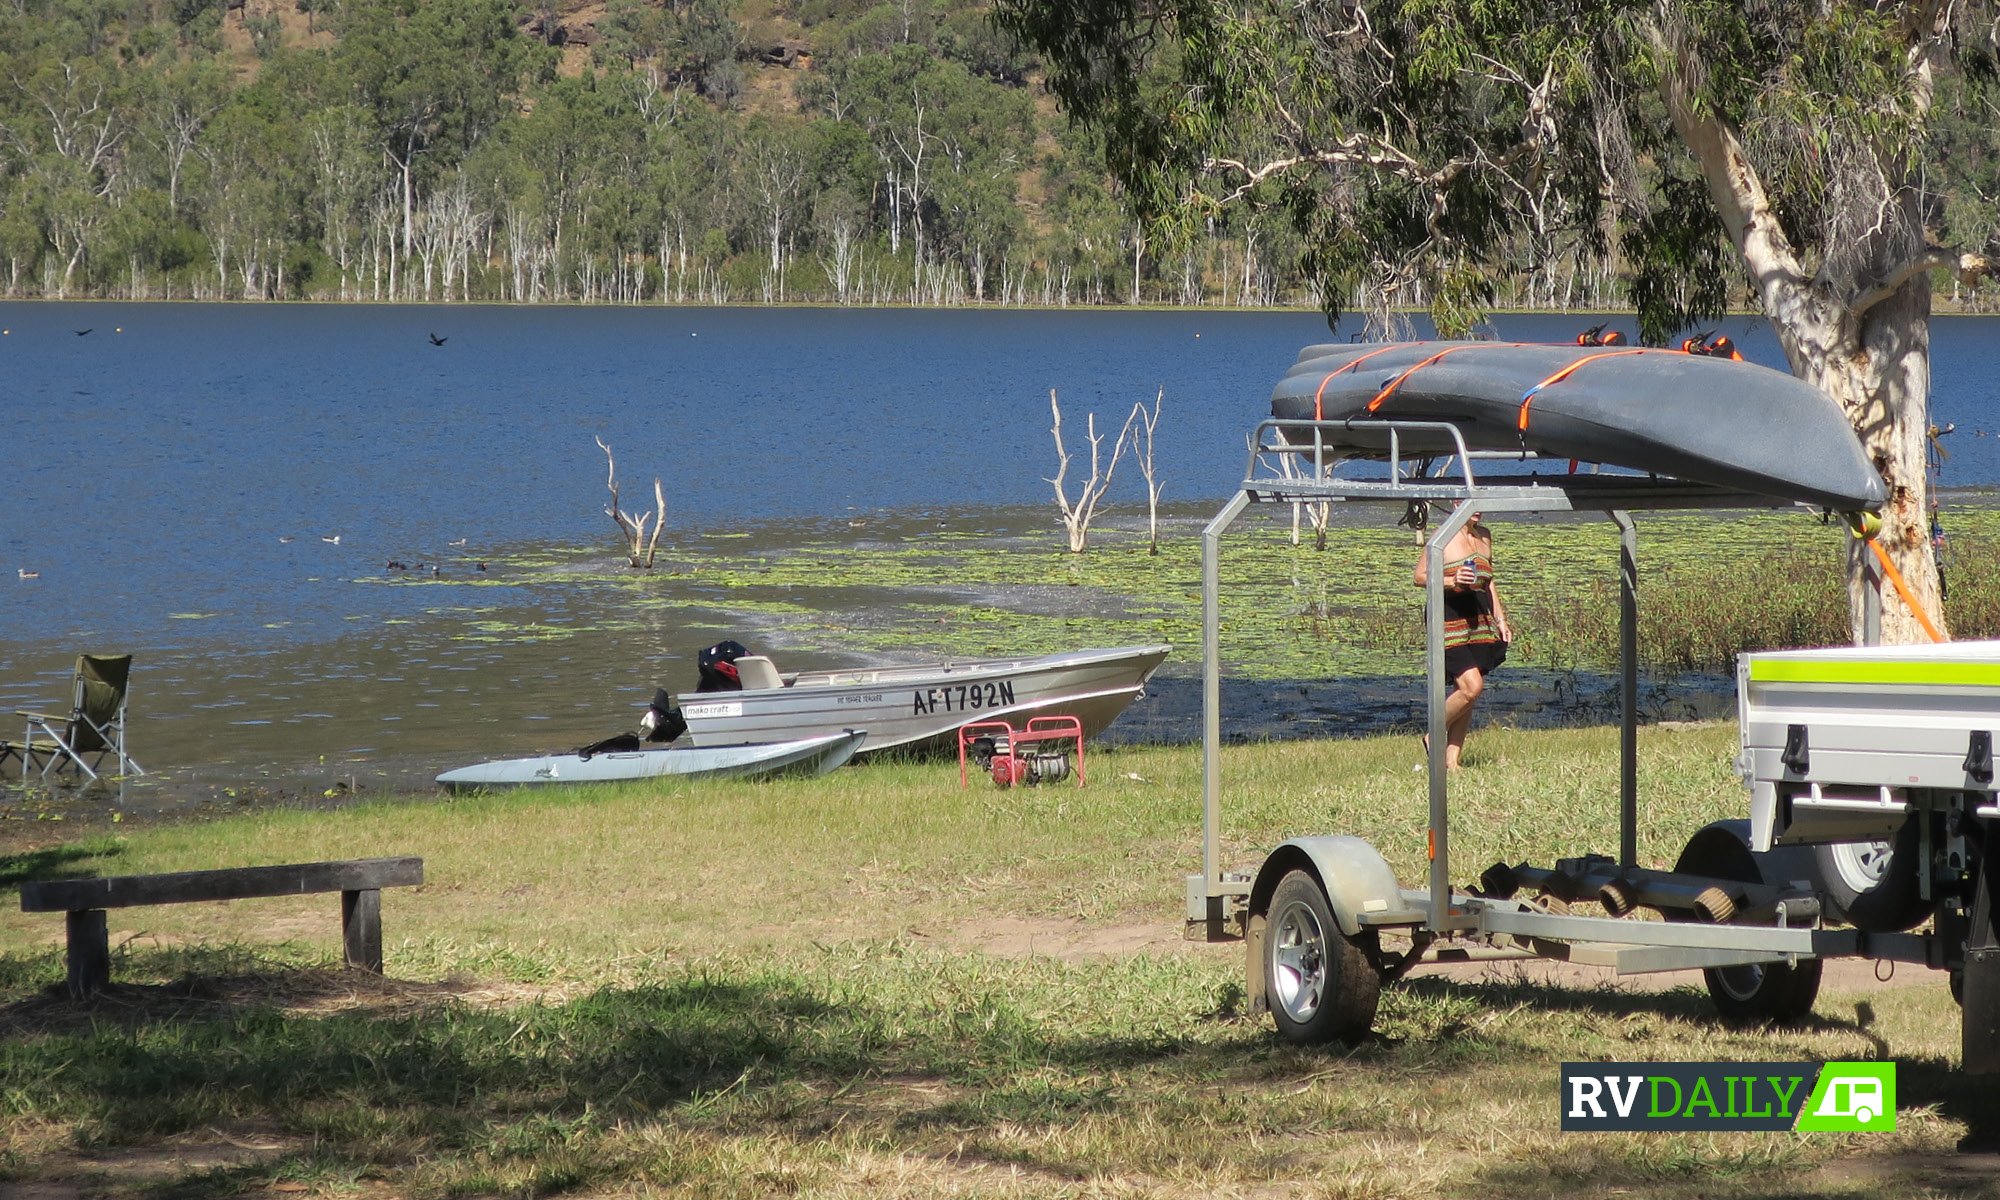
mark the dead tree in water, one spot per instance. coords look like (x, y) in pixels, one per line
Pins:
(1143, 424)
(634, 528)
(1317, 511)
(1076, 517)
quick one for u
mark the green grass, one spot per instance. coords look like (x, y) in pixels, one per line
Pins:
(778, 989)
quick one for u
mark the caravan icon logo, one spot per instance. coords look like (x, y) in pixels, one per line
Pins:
(1740, 1096)
(1852, 1096)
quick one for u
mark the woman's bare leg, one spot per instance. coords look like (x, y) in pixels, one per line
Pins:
(1458, 714)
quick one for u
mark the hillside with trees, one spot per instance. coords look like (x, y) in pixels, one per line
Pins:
(624, 151)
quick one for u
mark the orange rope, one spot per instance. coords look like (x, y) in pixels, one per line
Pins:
(1319, 414)
(1528, 397)
(1903, 590)
(1398, 380)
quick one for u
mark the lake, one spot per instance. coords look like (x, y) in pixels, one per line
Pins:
(179, 471)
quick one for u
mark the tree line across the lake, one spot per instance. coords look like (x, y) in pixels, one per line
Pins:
(691, 150)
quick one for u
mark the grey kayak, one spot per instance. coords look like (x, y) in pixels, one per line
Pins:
(1707, 420)
(804, 756)
(920, 706)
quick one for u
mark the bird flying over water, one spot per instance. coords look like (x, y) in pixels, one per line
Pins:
(82, 332)
(438, 341)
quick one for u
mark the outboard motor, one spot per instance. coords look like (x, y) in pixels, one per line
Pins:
(717, 667)
(662, 722)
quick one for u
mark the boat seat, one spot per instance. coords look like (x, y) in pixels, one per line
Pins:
(757, 672)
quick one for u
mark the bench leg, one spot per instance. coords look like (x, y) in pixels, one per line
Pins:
(361, 928)
(89, 952)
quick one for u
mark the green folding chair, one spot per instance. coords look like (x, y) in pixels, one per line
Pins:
(95, 726)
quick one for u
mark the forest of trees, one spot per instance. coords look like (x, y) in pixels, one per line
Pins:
(638, 152)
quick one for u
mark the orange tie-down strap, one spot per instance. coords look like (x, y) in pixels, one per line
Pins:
(1319, 412)
(1903, 589)
(1528, 397)
(1446, 352)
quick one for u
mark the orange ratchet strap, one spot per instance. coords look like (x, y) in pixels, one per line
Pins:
(1528, 397)
(1903, 589)
(1398, 380)
(1319, 413)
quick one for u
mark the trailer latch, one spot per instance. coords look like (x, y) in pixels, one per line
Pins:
(1979, 756)
(1795, 758)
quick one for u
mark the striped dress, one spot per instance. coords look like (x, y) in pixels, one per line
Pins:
(1468, 612)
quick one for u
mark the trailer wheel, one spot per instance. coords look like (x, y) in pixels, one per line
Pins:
(1781, 993)
(1872, 885)
(1320, 983)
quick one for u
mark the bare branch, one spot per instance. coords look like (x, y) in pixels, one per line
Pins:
(630, 527)
(659, 498)
(1144, 423)
(1076, 517)
(1934, 258)
(612, 510)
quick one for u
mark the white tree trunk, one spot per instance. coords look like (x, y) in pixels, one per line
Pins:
(1880, 375)
(1869, 349)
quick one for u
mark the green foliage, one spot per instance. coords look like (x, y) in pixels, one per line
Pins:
(1427, 174)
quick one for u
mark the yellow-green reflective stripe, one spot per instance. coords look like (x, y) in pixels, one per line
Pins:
(1933, 674)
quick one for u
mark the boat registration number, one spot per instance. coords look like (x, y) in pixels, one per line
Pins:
(966, 697)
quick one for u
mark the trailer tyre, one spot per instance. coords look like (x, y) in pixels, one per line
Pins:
(1779, 993)
(1872, 885)
(1320, 982)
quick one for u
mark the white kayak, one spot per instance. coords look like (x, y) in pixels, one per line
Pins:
(803, 756)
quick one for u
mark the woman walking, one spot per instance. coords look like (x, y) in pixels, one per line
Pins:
(1475, 628)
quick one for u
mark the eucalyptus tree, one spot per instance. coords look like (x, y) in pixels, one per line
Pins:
(1966, 157)
(1778, 146)
(173, 104)
(342, 166)
(777, 167)
(20, 235)
(690, 172)
(245, 200)
(932, 125)
(67, 134)
(435, 75)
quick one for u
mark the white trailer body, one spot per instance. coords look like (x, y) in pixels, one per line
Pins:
(1845, 744)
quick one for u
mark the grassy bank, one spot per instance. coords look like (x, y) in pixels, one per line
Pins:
(878, 983)
(1712, 584)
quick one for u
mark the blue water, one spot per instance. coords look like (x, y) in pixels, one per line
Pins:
(156, 463)
(171, 475)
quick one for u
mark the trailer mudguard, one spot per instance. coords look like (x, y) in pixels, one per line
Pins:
(1780, 866)
(1356, 877)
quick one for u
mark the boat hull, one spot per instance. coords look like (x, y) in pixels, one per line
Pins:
(922, 707)
(1708, 420)
(805, 756)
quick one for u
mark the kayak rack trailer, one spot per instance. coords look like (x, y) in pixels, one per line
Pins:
(1294, 462)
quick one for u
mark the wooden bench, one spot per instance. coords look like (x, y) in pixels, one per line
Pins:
(359, 881)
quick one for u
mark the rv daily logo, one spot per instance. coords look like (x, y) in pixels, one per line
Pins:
(1719, 1095)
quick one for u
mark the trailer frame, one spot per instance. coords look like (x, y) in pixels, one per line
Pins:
(1779, 929)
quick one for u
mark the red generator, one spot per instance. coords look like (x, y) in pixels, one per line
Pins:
(1022, 756)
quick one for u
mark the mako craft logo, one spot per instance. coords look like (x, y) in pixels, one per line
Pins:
(1676, 1097)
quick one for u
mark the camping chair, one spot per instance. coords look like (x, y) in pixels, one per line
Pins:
(95, 724)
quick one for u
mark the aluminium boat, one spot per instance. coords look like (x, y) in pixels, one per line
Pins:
(814, 755)
(919, 707)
